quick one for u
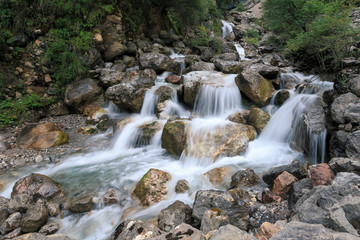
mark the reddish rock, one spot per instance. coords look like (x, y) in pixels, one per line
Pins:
(266, 231)
(283, 183)
(173, 79)
(268, 197)
(321, 174)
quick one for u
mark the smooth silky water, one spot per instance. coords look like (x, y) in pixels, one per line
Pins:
(123, 164)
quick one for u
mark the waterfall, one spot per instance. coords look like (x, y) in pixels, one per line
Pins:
(241, 52)
(226, 28)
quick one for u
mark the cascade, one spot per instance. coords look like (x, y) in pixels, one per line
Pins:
(226, 28)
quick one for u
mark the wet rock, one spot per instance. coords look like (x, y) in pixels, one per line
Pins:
(129, 94)
(237, 118)
(244, 178)
(19, 203)
(338, 144)
(228, 140)
(134, 229)
(190, 59)
(114, 50)
(267, 197)
(345, 165)
(174, 215)
(217, 175)
(255, 86)
(53, 208)
(258, 118)
(226, 66)
(11, 223)
(4, 213)
(182, 232)
(281, 97)
(238, 212)
(35, 217)
(352, 145)
(321, 174)
(43, 135)
(175, 79)
(207, 53)
(354, 85)
(38, 236)
(182, 186)
(147, 132)
(112, 196)
(164, 93)
(335, 206)
(50, 227)
(306, 231)
(289, 80)
(346, 108)
(294, 168)
(283, 183)
(266, 231)
(81, 204)
(213, 219)
(299, 189)
(156, 61)
(173, 137)
(39, 186)
(314, 118)
(202, 66)
(82, 92)
(231, 232)
(152, 187)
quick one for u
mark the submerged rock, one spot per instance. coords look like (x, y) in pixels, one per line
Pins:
(182, 186)
(152, 187)
(174, 215)
(43, 135)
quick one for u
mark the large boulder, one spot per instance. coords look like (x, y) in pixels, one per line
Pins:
(231, 232)
(43, 135)
(134, 229)
(346, 108)
(255, 86)
(156, 61)
(228, 140)
(306, 231)
(110, 77)
(202, 66)
(11, 223)
(114, 50)
(174, 215)
(182, 232)
(345, 165)
(258, 118)
(353, 145)
(238, 212)
(39, 186)
(314, 117)
(336, 206)
(4, 213)
(152, 187)
(173, 137)
(226, 66)
(267, 71)
(130, 93)
(82, 92)
(354, 85)
(35, 217)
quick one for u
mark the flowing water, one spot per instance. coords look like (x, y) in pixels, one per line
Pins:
(127, 160)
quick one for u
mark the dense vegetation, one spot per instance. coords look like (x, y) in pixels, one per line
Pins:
(313, 30)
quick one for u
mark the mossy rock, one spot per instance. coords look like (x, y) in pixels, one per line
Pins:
(258, 118)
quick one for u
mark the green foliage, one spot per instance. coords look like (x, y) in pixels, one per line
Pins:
(202, 37)
(252, 37)
(312, 30)
(13, 110)
(240, 8)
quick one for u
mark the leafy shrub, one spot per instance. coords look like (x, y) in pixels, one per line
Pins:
(252, 37)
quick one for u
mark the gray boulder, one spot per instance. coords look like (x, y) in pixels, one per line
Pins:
(299, 189)
(35, 217)
(156, 61)
(231, 232)
(213, 219)
(207, 53)
(226, 66)
(50, 227)
(244, 178)
(4, 213)
(82, 92)
(130, 93)
(81, 204)
(174, 215)
(335, 206)
(11, 223)
(182, 232)
(353, 145)
(346, 108)
(314, 118)
(345, 165)
(305, 231)
(19, 203)
(354, 85)
(338, 144)
(202, 66)
(238, 212)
